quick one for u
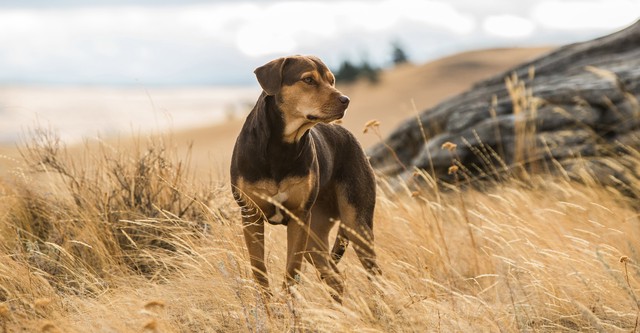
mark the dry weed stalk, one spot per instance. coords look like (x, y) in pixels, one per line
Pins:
(426, 143)
(453, 170)
(525, 107)
(374, 126)
(624, 260)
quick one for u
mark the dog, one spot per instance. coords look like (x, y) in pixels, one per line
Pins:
(293, 166)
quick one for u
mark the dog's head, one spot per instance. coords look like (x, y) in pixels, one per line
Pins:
(304, 89)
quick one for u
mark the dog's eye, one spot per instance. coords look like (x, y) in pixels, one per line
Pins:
(308, 80)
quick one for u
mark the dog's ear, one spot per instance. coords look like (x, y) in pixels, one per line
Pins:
(269, 75)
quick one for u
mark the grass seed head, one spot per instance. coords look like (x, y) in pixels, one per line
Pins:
(154, 305)
(371, 124)
(624, 259)
(453, 169)
(450, 146)
(152, 326)
(41, 302)
(4, 311)
(50, 328)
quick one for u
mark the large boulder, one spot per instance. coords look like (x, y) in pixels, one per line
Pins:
(574, 111)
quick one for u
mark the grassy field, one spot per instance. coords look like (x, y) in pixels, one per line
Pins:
(132, 237)
(126, 239)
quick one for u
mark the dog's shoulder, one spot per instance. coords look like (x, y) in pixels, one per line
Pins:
(336, 136)
(333, 132)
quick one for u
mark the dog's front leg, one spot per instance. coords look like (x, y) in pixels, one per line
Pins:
(254, 237)
(297, 237)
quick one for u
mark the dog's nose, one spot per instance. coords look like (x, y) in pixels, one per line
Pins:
(344, 100)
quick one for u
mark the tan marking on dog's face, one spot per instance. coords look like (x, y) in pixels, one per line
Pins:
(310, 98)
(292, 193)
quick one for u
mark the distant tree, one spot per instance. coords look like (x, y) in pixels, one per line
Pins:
(348, 72)
(398, 55)
(369, 72)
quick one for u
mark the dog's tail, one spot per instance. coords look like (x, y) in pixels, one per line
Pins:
(340, 246)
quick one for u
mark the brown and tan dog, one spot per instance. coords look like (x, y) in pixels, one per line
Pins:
(289, 155)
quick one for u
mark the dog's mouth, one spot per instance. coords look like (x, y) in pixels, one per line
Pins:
(327, 119)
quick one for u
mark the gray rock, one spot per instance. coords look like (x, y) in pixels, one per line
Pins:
(579, 109)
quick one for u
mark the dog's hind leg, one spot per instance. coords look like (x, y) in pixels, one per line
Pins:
(318, 252)
(340, 246)
(357, 223)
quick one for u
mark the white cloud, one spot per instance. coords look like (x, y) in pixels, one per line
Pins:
(581, 15)
(253, 41)
(281, 27)
(508, 26)
(125, 43)
(147, 42)
(438, 14)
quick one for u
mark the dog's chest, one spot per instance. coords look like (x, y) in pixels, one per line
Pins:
(292, 193)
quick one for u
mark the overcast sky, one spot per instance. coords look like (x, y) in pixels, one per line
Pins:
(173, 42)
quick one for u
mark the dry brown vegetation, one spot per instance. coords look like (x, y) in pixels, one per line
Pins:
(124, 240)
(127, 239)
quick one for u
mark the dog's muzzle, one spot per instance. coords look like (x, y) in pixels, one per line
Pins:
(340, 108)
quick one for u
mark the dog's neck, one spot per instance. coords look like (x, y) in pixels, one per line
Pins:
(290, 130)
(295, 129)
(284, 158)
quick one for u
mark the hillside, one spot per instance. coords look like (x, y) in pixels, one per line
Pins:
(426, 85)
(389, 101)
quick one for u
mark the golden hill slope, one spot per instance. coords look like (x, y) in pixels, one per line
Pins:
(389, 101)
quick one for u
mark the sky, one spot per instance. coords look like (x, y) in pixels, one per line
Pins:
(190, 42)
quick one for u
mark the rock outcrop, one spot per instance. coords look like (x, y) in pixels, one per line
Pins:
(575, 110)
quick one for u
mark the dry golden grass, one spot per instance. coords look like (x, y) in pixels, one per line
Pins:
(124, 240)
(127, 239)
